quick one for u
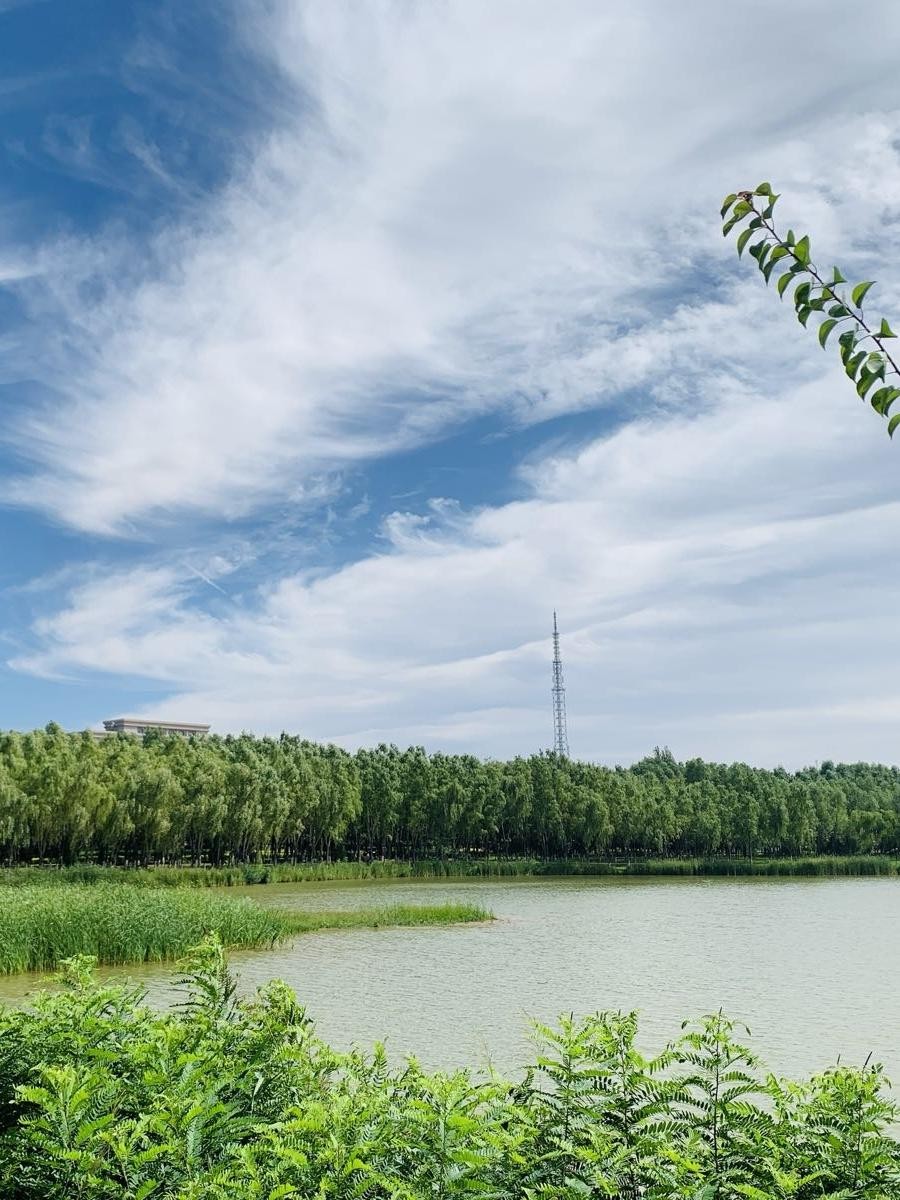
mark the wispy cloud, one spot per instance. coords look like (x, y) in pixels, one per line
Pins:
(469, 208)
(714, 575)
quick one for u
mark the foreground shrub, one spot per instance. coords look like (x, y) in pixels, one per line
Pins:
(102, 1098)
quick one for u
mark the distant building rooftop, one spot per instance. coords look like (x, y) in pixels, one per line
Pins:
(138, 726)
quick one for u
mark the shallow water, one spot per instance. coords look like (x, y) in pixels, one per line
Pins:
(811, 965)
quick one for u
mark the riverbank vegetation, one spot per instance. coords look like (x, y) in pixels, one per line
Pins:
(240, 800)
(485, 867)
(104, 1099)
(121, 923)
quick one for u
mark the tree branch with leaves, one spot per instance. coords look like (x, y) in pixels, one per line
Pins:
(861, 337)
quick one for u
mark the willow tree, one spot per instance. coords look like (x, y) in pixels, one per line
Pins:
(837, 307)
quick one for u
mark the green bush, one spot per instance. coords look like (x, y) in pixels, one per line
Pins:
(102, 1098)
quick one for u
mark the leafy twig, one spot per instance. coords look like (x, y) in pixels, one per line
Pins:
(791, 256)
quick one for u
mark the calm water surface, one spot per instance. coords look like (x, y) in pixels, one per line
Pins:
(811, 965)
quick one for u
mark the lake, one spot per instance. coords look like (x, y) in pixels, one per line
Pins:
(811, 965)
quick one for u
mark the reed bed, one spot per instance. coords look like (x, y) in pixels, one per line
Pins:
(246, 874)
(121, 923)
(823, 865)
(389, 915)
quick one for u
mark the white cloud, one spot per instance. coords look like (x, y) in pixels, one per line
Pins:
(470, 206)
(715, 577)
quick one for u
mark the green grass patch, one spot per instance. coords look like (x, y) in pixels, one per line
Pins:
(121, 923)
(390, 915)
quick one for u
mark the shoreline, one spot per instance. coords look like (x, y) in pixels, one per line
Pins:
(249, 874)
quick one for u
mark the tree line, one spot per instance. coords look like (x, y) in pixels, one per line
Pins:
(67, 798)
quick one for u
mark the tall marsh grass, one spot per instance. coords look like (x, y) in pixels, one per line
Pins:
(389, 916)
(823, 865)
(442, 868)
(121, 923)
(259, 873)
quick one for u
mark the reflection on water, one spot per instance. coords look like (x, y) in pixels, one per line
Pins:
(810, 965)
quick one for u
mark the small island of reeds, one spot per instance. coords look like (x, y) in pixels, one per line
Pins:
(118, 923)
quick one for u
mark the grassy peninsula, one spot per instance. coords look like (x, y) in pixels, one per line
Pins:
(122, 923)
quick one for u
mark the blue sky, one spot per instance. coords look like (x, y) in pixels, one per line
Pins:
(341, 344)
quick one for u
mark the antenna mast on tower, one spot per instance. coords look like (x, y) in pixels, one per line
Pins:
(560, 732)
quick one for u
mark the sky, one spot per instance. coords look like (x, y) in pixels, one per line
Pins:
(342, 343)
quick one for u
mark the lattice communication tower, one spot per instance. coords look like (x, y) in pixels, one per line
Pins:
(560, 732)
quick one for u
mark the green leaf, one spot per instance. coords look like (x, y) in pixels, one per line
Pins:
(838, 310)
(882, 400)
(743, 239)
(779, 252)
(885, 331)
(783, 283)
(866, 379)
(859, 292)
(824, 329)
(728, 201)
(892, 424)
(730, 224)
(803, 312)
(838, 277)
(854, 363)
(768, 269)
(769, 210)
(789, 237)
(764, 189)
(878, 398)
(802, 294)
(802, 250)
